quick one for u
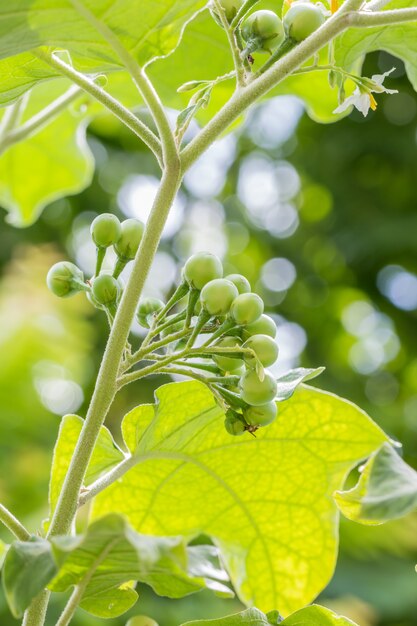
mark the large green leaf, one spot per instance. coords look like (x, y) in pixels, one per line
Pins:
(400, 40)
(309, 616)
(145, 27)
(28, 568)
(54, 162)
(105, 456)
(386, 490)
(110, 556)
(266, 501)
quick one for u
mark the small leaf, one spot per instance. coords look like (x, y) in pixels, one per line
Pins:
(289, 382)
(28, 568)
(192, 84)
(386, 490)
(316, 616)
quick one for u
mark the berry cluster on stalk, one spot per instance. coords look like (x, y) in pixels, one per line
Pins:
(213, 328)
(264, 30)
(220, 322)
(105, 288)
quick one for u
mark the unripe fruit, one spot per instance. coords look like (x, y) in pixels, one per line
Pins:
(217, 296)
(228, 363)
(263, 31)
(255, 391)
(106, 290)
(234, 426)
(230, 7)
(265, 349)
(246, 308)
(265, 325)
(241, 283)
(302, 19)
(105, 230)
(65, 279)
(130, 238)
(201, 268)
(262, 415)
(148, 307)
(141, 620)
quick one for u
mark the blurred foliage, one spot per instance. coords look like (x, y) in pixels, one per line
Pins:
(323, 221)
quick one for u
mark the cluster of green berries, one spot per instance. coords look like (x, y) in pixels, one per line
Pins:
(232, 316)
(265, 31)
(105, 288)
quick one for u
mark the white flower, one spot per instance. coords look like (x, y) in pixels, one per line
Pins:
(362, 97)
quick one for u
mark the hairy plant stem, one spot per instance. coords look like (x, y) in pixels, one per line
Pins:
(13, 524)
(128, 118)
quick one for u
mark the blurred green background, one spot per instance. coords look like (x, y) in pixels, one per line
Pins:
(323, 221)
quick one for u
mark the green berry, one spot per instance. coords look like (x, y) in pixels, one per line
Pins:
(105, 230)
(241, 283)
(65, 279)
(106, 290)
(146, 309)
(228, 363)
(130, 238)
(262, 415)
(141, 620)
(265, 325)
(246, 308)
(255, 391)
(234, 426)
(263, 31)
(230, 8)
(217, 296)
(265, 349)
(302, 19)
(201, 268)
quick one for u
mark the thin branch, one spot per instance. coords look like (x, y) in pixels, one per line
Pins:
(139, 77)
(114, 106)
(41, 119)
(237, 61)
(13, 524)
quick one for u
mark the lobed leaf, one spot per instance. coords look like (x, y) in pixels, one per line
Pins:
(266, 501)
(386, 490)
